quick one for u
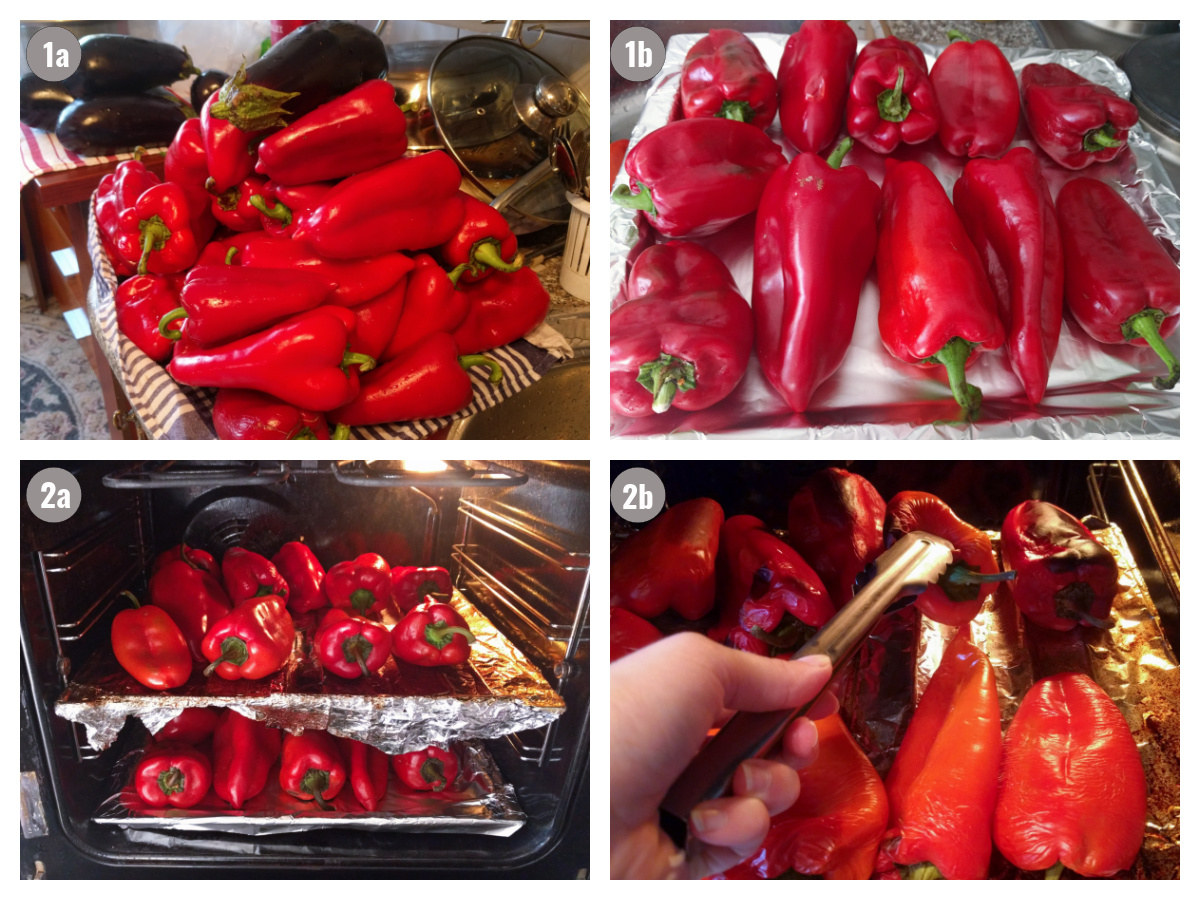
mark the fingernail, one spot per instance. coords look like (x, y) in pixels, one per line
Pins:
(817, 659)
(707, 820)
(757, 778)
(806, 734)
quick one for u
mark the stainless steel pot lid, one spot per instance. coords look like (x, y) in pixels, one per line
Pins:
(1153, 69)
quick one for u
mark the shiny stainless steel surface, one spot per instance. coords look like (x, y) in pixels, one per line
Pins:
(555, 408)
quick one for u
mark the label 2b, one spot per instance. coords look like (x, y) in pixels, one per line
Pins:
(637, 495)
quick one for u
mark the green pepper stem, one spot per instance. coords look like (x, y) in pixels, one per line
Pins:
(130, 595)
(233, 650)
(962, 574)
(1101, 139)
(456, 273)
(155, 235)
(663, 377)
(839, 153)
(486, 252)
(365, 363)
(341, 432)
(171, 781)
(954, 356)
(165, 322)
(278, 212)
(955, 35)
(893, 105)
(1054, 873)
(439, 634)
(229, 255)
(316, 781)
(434, 774)
(304, 434)
(925, 871)
(1146, 325)
(356, 650)
(736, 110)
(478, 359)
(642, 200)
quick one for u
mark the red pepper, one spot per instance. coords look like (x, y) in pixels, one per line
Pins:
(232, 207)
(408, 204)
(482, 242)
(671, 563)
(118, 191)
(350, 646)
(377, 321)
(1072, 786)
(172, 774)
(836, 522)
(958, 595)
(244, 751)
(412, 584)
(695, 176)
(724, 75)
(766, 589)
(814, 243)
(684, 337)
(433, 634)
(628, 632)
(814, 79)
(192, 596)
(141, 303)
(304, 574)
(150, 646)
(425, 381)
(935, 304)
(891, 100)
(1005, 207)
(252, 642)
(431, 769)
(886, 45)
(227, 147)
(362, 584)
(199, 559)
(431, 304)
(500, 310)
(977, 96)
(1076, 121)
(1121, 285)
(312, 767)
(156, 233)
(240, 415)
(368, 771)
(1064, 575)
(187, 166)
(248, 575)
(193, 725)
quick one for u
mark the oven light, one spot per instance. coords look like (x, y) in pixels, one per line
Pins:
(423, 465)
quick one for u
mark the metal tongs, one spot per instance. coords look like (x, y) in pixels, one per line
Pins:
(910, 565)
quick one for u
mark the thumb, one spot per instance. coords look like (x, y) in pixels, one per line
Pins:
(760, 684)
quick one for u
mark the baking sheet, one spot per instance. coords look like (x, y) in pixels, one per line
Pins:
(1095, 390)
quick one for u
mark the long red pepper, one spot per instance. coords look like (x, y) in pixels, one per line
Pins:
(483, 241)
(157, 232)
(192, 597)
(628, 632)
(304, 574)
(724, 75)
(141, 303)
(376, 321)
(367, 771)
(241, 415)
(191, 726)
(978, 99)
(244, 751)
(227, 147)
(1076, 121)
(311, 767)
(118, 191)
(814, 79)
(431, 304)
(150, 647)
(506, 306)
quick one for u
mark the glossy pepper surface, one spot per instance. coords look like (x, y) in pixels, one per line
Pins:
(935, 304)
(683, 338)
(979, 102)
(628, 632)
(233, 208)
(156, 233)
(376, 321)
(1121, 284)
(193, 597)
(244, 751)
(695, 176)
(240, 415)
(725, 76)
(1072, 786)
(199, 559)
(433, 634)
(227, 147)
(942, 786)
(172, 774)
(1005, 206)
(187, 166)
(505, 307)
(412, 584)
(367, 771)
(118, 191)
(351, 646)
(671, 563)
(1064, 575)
(431, 304)
(431, 769)
(891, 100)
(252, 642)
(814, 80)
(1076, 121)
(141, 303)
(191, 726)
(362, 584)
(312, 767)
(305, 577)
(483, 242)
(814, 243)
(150, 646)
(248, 574)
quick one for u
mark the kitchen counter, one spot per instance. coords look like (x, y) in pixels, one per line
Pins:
(1002, 34)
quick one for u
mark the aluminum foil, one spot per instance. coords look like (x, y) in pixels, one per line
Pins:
(479, 802)
(402, 708)
(1095, 390)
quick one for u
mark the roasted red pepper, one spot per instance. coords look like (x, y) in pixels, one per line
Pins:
(1121, 284)
(244, 751)
(684, 337)
(191, 726)
(724, 75)
(150, 646)
(1005, 206)
(1076, 121)
(696, 176)
(431, 304)
(192, 596)
(671, 563)
(312, 767)
(978, 98)
(628, 632)
(252, 642)
(433, 634)
(1072, 786)
(500, 310)
(172, 774)
(227, 147)
(141, 303)
(248, 574)
(942, 786)
(156, 233)
(935, 304)
(836, 522)
(412, 584)
(814, 243)
(240, 415)
(377, 320)
(198, 558)
(1064, 575)
(891, 100)
(304, 574)
(118, 191)
(483, 242)
(362, 584)
(431, 769)
(814, 79)
(350, 646)
(367, 768)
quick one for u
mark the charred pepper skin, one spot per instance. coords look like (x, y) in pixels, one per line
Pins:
(1075, 121)
(814, 81)
(725, 76)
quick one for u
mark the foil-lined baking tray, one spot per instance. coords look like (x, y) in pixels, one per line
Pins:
(401, 708)
(1095, 390)
(479, 802)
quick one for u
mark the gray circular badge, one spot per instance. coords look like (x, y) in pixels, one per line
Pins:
(638, 54)
(53, 495)
(53, 54)
(638, 495)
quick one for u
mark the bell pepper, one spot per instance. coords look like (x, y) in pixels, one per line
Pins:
(172, 774)
(187, 166)
(156, 233)
(814, 243)
(118, 191)
(942, 786)
(409, 204)
(312, 767)
(141, 303)
(248, 575)
(500, 310)
(352, 133)
(240, 415)
(628, 632)
(1064, 575)
(252, 642)
(305, 577)
(367, 769)
(724, 75)
(958, 595)
(433, 634)
(886, 45)
(244, 751)
(834, 829)
(766, 589)
(683, 338)
(193, 597)
(198, 558)
(283, 207)
(362, 584)
(226, 147)
(1006, 209)
(150, 646)
(814, 79)
(377, 320)
(891, 100)
(1121, 284)
(431, 304)
(350, 646)
(671, 563)
(1076, 121)
(193, 725)
(483, 242)
(695, 176)
(412, 584)
(425, 381)
(431, 769)
(836, 522)
(1072, 786)
(935, 304)
(977, 97)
